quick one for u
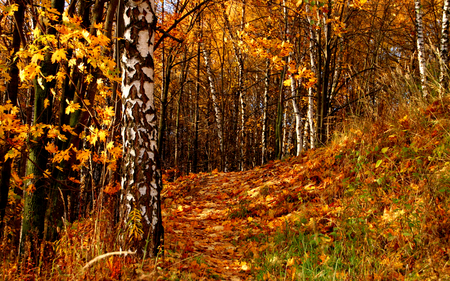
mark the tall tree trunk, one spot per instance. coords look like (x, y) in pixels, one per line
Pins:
(298, 118)
(11, 94)
(312, 55)
(184, 74)
(293, 88)
(212, 89)
(443, 79)
(323, 93)
(279, 119)
(421, 47)
(37, 191)
(196, 113)
(163, 106)
(141, 179)
(265, 109)
(240, 61)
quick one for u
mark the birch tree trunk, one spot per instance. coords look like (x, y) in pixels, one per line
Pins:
(298, 118)
(265, 109)
(421, 47)
(312, 55)
(217, 109)
(141, 179)
(240, 61)
(443, 79)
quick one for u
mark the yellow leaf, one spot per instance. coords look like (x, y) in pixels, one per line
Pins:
(110, 145)
(72, 107)
(46, 103)
(299, 3)
(287, 82)
(290, 262)
(40, 82)
(31, 188)
(11, 9)
(102, 134)
(72, 62)
(37, 57)
(52, 148)
(59, 55)
(109, 111)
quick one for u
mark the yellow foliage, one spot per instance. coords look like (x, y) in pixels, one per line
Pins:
(59, 55)
(72, 107)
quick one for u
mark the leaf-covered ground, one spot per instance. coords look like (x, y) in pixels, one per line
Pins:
(374, 204)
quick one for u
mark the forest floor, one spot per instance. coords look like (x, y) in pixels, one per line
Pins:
(211, 220)
(373, 204)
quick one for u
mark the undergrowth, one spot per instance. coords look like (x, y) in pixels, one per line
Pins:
(392, 220)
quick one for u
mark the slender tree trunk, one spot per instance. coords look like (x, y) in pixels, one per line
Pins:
(141, 179)
(163, 106)
(217, 109)
(184, 74)
(37, 191)
(196, 117)
(443, 79)
(265, 109)
(11, 94)
(279, 119)
(240, 61)
(421, 47)
(298, 118)
(313, 58)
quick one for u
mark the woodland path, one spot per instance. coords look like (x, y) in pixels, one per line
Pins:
(214, 222)
(198, 223)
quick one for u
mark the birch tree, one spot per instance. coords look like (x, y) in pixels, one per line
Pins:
(420, 46)
(141, 180)
(443, 79)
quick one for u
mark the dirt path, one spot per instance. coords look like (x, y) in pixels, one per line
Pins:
(215, 222)
(199, 228)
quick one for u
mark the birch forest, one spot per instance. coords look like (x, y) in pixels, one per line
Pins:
(224, 140)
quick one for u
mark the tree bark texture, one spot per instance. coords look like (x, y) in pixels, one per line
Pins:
(141, 180)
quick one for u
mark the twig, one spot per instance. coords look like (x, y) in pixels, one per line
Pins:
(107, 255)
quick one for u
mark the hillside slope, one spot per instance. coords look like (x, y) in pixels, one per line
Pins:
(374, 204)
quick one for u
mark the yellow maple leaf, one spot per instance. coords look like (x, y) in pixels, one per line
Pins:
(110, 145)
(109, 111)
(59, 55)
(102, 134)
(37, 57)
(72, 107)
(52, 148)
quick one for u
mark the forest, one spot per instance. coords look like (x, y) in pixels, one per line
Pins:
(224, 140)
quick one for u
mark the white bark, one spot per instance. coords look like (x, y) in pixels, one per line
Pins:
(312, 127)
(443, 79)
(212, 88)
(240, 61)
(421, 46)
(264, 121)
(141, 180)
